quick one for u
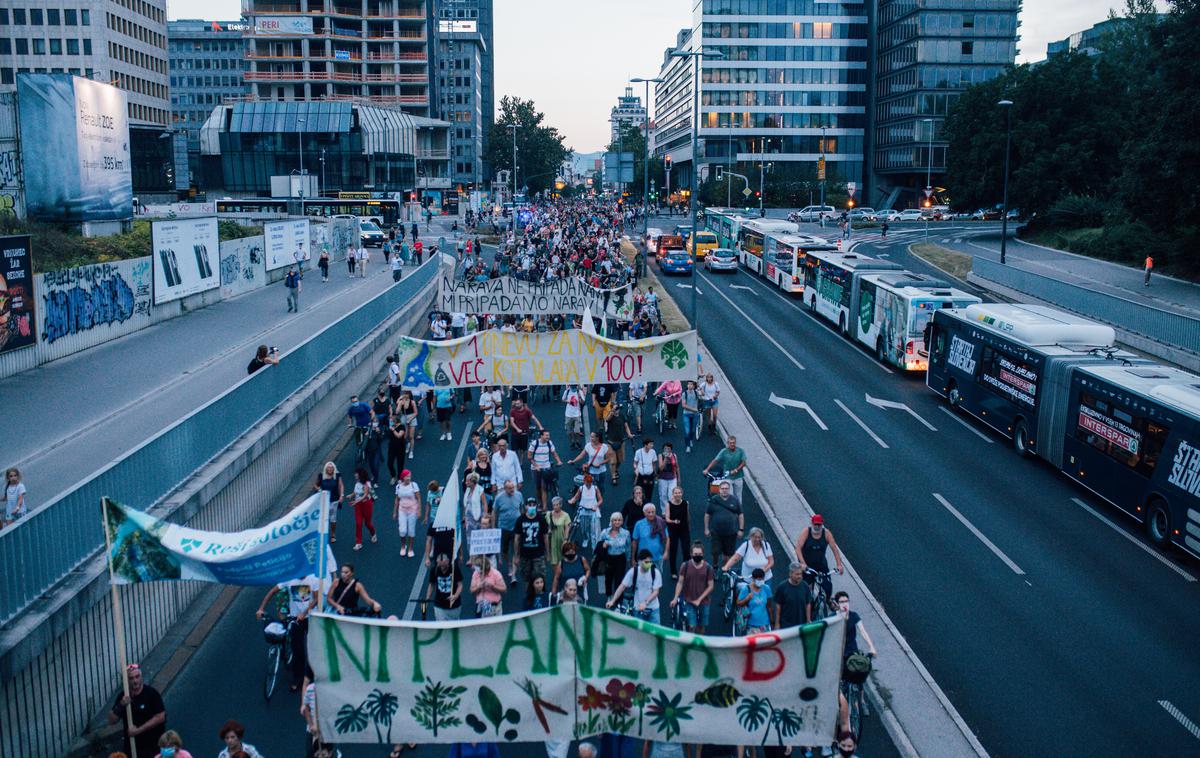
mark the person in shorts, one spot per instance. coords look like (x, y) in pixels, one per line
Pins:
(443, 401)
(521, 420)
(573, 415)
(543, 457)
(406, 510)
(695, 588)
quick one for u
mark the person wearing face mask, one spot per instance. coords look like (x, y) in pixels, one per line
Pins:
(170, 745)
(854, 628)
(846, 744)
(756, 599)
(572, 567)
(646, 580)
(533, 542)
(695, 587)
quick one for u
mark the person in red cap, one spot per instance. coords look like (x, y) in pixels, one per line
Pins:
(810, 549)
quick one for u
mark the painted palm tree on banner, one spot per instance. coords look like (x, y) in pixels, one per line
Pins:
(381, 707)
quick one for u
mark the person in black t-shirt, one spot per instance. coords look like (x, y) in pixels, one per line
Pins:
(149, 713)
(438, 541)
(263, 356)
(445, 587)
(532, 541)
(791, 598)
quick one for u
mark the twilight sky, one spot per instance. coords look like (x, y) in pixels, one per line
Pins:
(573, 58)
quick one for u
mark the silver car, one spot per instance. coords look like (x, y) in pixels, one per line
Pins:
(721, 259)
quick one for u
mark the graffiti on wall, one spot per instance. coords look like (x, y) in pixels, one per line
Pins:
(10, 183)
(242, 266)
(80, 299)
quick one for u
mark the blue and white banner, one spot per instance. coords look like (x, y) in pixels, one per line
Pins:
(143, 548)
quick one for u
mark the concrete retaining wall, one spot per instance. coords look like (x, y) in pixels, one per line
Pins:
(59, 669)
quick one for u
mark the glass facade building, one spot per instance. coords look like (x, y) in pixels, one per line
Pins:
(465, 84)
(929, 51)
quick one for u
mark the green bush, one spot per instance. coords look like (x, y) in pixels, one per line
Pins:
(1079, 212)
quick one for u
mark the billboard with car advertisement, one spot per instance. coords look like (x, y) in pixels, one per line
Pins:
(186, 255)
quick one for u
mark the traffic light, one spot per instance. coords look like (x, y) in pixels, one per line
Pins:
(850, 203)
(720, 173)
(757, 193)
(667, 162)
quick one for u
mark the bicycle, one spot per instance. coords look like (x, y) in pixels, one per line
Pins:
(714, 481)
(854, 689)
(729, 584)
(278, 635)
(582, 527)
(660, 414)
(817, 597)
(678, 618)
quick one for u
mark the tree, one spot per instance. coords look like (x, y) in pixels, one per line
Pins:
(540, 148)
(632, 140)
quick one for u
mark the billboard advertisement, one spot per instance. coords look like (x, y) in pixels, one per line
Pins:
(17, 329)
(76, 148)
(285, 25)
(186, 255)
(286, 242)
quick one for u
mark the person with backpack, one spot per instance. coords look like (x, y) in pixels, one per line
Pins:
(292, 283)
(646, 580)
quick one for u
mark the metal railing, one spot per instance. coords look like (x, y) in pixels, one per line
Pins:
(1170, 328)
(53, 540)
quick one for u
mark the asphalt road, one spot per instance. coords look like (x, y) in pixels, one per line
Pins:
(1037, 608)
(224, 678)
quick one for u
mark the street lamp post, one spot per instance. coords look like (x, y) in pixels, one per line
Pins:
(821, 215)
(929, 172)
(1007, 106)
(513, 177)
(646, 160)
(695, 55)
(300, 140)
(323, 185)
(387, 148)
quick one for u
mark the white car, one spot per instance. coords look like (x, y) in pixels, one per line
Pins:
(721, 259)
(910, 214)
(863, 214)
(890, 215)
(811, 213)
(652, 235)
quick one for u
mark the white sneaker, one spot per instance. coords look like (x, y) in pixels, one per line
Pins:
(449, 436)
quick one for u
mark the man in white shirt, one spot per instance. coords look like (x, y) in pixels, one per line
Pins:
(506, 464)
(645, 465)
(458, 324)
(363, 257)
(573, 415)
(395, 378)
(646, 581)
(437, 326)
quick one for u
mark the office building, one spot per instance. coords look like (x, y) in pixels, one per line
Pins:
(671, 136)
(348, 146)
(628, 111)
(791, 72)
(1089, 40)
(123, 42)
(377, 51)
(927, 53)
(465, 81)
(206, 63)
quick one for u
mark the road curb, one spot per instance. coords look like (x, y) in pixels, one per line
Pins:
(916, 713)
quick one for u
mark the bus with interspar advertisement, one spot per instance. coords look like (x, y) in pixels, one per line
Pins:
(1124, 427)
(831, 281)
(752, 238)
(893, 311)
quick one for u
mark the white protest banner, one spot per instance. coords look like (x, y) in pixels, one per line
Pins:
(286, 242)
(485, 542)
(509, 296)
(148, 549)
(565, 357)
(570, 672)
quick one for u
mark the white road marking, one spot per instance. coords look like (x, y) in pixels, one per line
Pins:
(422, 570)
(784, 402)
(859, 421)
(688, 287)
(982, 537)
(751, 290)
(1188, 724)
(1148, 550)
(788, 302)
(761, 331)
(899, 406)
(966, 424)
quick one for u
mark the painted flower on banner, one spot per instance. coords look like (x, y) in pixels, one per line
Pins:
(674, 354)
(666, 713)
(620, 695)
(593, 700)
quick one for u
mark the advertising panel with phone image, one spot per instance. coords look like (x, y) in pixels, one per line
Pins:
(186, 255)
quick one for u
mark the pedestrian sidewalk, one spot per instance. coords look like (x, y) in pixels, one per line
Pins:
(77, 414)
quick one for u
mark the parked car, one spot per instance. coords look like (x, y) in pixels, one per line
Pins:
(721, 259)
(889, 215)
(675, 262)
(910, 214)
(863, 214)
(986, 214)
(939, 212)
(811, 213)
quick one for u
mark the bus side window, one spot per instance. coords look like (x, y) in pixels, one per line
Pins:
(938, 353)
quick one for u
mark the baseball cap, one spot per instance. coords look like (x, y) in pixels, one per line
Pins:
(817, 519)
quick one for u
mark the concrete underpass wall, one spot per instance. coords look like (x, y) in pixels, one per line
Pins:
(63, 672)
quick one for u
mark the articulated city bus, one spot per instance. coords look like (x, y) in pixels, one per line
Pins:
(1124, 427)
(253, 207)
(784, 255)
(831, 283)
(894, 310)
(752, 237)
(384, 212)
(725, 223)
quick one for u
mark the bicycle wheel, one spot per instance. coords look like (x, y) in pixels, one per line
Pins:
(727, 606)
(854, 699)
(660, 417)
(289, 652)
(272, 671)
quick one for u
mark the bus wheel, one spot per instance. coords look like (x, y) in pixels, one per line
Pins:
(1021, 437)
(842, 323)
(953, 396)
(1158, 522)
(812, 303)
